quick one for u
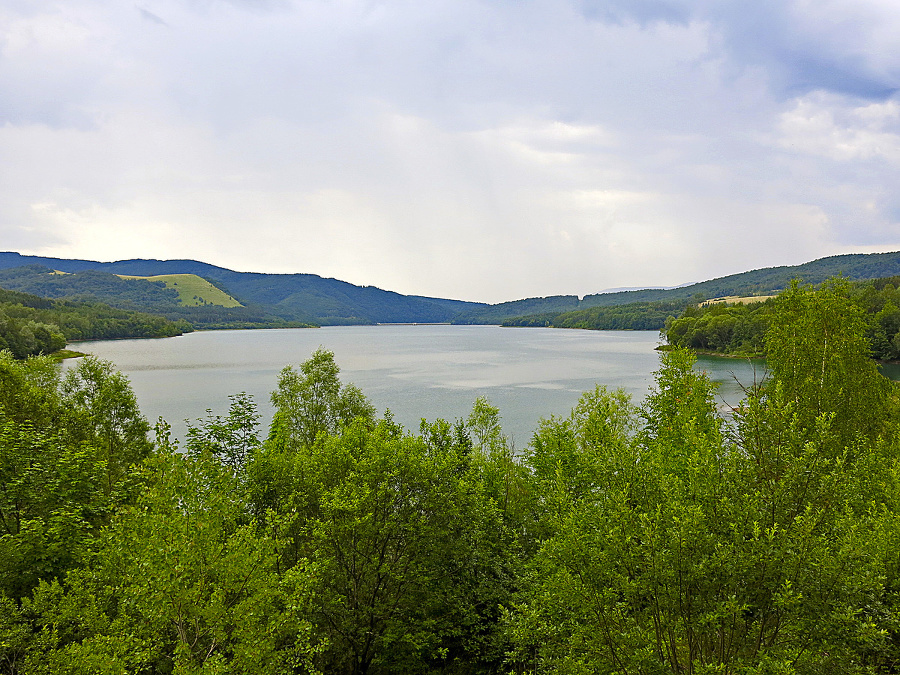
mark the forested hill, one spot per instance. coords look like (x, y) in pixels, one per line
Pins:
(305, 298)
(309, 298)
(31, 325)
(754, 282)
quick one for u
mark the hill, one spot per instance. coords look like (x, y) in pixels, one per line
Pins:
(201, 303)
(306, 298)
(31, 325)
(193, 291)
(855, 266)
(273, 299)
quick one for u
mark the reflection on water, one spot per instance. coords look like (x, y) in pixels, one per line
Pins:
(415, 371)
(734, 377)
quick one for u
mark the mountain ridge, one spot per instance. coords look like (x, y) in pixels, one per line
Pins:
(304, 297)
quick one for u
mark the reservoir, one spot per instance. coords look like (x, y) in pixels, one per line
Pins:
(418, 371)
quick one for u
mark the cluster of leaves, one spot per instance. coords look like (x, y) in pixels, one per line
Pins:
(677, 544)
(741, 329)
(633, 316)
(341, 543)
(652, 539)
(738, 329)
(66, 445)
(30, 325)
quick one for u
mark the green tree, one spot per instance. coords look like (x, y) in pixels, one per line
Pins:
(107, 415)
(821, 361)
(313, 401)
(231, 439)
(569, 457)
(180, 583)
(65, 452)
(693, 553)
(406, 551)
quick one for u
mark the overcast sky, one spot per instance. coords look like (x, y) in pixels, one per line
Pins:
(481, 150)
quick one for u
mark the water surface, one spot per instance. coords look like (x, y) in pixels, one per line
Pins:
(415, 371)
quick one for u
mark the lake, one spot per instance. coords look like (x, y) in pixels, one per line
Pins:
(415, 371)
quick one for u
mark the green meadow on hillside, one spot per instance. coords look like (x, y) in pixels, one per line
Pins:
(193, 291)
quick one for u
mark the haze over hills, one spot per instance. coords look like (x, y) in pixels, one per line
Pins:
(268, 299)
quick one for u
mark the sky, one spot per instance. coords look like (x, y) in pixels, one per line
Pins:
(483, 150)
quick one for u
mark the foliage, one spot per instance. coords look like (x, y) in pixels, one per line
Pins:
(88, 285)
(82, 292)
(232, 439)
(406, 548)
(755, 282)
(304, 299)
(633, 316)
(653, 538)
(314, 402)
(66, 448)
(686, 547)
(180, 583)
(30, 325)
(741, 329)
(681, 552)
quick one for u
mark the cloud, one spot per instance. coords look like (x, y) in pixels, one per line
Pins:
(479, 149)
(150, 16)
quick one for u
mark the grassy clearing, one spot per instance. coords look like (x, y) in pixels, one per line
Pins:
(737, 300)
(193, 291)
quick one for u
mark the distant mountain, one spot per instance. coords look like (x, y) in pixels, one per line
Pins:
(306, 298)
(309, 298)
(755, 282)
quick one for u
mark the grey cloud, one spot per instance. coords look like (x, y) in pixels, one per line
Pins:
(151, 17)
(803, 47)
(641, 11)
(465, 148)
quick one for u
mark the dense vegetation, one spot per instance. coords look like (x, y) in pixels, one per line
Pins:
(755, 282)
(741, 329)
(30, 325)
(634, 316)
(296, 298)
(89, 285)
(144, 295)
(648, 539)
(310, 299)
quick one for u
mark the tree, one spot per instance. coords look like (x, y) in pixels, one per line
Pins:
(407, 551)
(569, 458)
(65, 452)
(180, 583)
(107, 413)
(313, 402)
(820, 360)
(231, 439)
(690, 553)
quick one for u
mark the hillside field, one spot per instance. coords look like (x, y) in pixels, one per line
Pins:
(193, 291)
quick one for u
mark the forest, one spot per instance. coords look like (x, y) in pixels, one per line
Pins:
(653, 537)
(136, 295)
(633, 316)
(741, 329)
(280, 300)
(31, 325)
